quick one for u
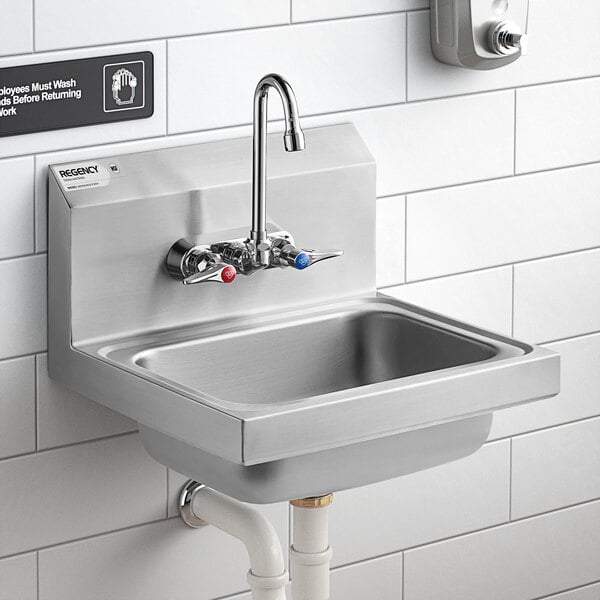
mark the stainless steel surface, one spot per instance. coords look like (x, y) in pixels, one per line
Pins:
(286, 384)
(306, 380)
(293, 138)
(202, 193)
(186, 498)
(360, 346)
(506, 38)
(319, 473)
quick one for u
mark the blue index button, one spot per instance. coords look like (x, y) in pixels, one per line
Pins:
(302, 260)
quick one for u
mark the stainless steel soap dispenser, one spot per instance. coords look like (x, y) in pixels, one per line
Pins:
(479, 34)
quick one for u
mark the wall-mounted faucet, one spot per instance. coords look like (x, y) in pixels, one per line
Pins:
(222, 261)
(293, 140)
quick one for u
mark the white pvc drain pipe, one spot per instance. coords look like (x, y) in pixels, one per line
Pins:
(267, 577)
(310, 553)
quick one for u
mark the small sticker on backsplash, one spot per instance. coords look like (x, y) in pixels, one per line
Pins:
(85, 175)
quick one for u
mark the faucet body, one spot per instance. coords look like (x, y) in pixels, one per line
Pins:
(293, 141)
(222, 261)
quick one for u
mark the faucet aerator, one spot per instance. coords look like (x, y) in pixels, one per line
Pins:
(294, 141)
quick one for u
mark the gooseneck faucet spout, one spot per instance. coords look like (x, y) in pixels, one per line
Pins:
(293, 139)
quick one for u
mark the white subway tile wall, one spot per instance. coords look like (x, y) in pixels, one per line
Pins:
(330, 70)
(488, 211)
(559, 297)
(316, 10)
(588, 592)
(64, 417)
(17, 406)
(117, 21)
(555, 468)
(16, 226)
(579, 396)
(557, 125)
(390, 244)
(482, 298)
(528, 559)
(18, 577)
(16, 32)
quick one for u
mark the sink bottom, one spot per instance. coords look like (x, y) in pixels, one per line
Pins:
(326, 471)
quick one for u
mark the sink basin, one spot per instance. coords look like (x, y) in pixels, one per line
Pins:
(339, 350)
(285, 384)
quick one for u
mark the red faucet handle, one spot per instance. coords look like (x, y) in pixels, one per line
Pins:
(219, 273)
(228, 274)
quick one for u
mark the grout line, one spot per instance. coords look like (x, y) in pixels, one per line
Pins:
(291, 11)
(71, 445)
(86, 538)
(512, 303)
(569, 337)
(543, 429)
(363, 16)
(506, 89)
(476, 532)
(403, 596)
(35, 227)
(167, 87)
(37, 574)
(493, 179)
(566, 591)
(290, 514)
(29, 355)
(406, 48)
(558, 426)
(23, 257)
(510, 479)
(515, 136)
(504, 265)
(36, 403)
(33, 27)
(203, 34)
(167, 507)
(405, 239)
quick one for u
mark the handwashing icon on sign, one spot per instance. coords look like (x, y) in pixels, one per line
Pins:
(122, 80)
(124, 86)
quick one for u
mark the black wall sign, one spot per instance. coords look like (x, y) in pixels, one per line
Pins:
(73, 93)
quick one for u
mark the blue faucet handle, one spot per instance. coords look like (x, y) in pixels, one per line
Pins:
(303, 258)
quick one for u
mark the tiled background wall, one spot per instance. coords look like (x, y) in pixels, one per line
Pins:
(488, 209)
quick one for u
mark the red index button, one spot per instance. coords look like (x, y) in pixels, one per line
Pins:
(228, 274)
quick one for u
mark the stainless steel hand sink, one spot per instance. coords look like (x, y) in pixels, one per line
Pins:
(285, 384)
(327, 396)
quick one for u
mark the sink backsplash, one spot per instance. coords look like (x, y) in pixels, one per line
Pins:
(120, 233)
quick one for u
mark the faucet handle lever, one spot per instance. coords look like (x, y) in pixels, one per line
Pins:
(220, 273)
(316, 256)
(288, 254)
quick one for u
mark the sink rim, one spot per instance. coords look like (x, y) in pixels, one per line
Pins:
(124, 353)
